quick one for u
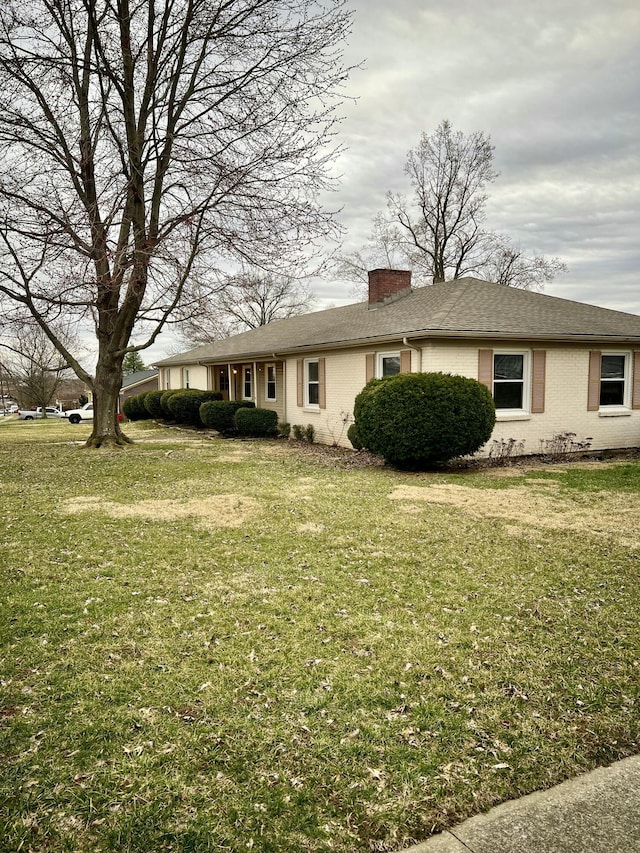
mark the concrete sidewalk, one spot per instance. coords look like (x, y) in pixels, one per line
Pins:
(598, 812)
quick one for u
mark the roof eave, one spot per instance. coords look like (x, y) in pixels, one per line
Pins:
(422, 334)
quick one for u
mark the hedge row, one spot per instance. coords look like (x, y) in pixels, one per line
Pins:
(220, 415)
(202, 408)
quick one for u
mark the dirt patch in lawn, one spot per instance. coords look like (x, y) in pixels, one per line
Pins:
(213, 511)
(540, 505)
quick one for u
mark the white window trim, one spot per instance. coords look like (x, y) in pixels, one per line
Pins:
(266, 382)
(524, 412)
(307, 405)
(379, 358)
(245, 368)
(615, 409)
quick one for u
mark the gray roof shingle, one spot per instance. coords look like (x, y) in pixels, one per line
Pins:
(464, 308)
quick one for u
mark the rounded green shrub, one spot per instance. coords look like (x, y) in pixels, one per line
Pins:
(259, 423)
(416, 420)
(164, 400)
(134, 409)
(152, 403)
(220, 414)
(354, 437)
(185, 405)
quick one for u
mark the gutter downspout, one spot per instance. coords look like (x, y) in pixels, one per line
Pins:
(406, 343)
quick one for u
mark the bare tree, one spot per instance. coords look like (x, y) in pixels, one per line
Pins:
(438, 230)
(509, 265)
(143, 142)
(244, 301)
(33, 365)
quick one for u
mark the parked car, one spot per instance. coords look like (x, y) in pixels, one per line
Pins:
(84, 413)
(32, 414)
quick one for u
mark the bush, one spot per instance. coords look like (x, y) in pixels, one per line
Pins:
(259, 423)
(302, 433)
(134, 409)
(185, 405)
(164, 400)
(220, 414)
(354, 438)
(152, 403)
(284, 429)
(415, 420)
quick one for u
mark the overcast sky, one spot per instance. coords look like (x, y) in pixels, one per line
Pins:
(555, 84)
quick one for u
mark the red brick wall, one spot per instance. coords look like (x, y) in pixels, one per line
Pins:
(384, 283)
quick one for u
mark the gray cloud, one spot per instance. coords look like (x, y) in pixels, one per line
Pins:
(555, 85)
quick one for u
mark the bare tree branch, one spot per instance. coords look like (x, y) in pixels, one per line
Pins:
(246, 300)
(438, 230)
(148, 142)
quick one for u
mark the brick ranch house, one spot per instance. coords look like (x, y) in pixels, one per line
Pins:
(552, 365)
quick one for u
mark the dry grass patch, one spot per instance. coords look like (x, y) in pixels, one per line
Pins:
(214, 511)
(540, 504)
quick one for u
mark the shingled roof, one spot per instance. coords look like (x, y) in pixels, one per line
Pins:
(464, 308)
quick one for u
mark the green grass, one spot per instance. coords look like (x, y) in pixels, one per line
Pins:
(338, 672)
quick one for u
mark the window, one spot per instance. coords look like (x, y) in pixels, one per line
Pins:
(223, 380)
(271, 382)
(312, 384)
(510, 380)
(613, 380)
(246, 383)
(185, 378)
(378, 365)
(388, 364)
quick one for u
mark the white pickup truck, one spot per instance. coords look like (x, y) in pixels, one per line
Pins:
(32, 414)
(84, 413)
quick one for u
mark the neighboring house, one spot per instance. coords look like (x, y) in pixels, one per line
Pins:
(552, 365)
(137, 383)
(71, 393)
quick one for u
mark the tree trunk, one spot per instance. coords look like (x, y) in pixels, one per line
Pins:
(106, 391)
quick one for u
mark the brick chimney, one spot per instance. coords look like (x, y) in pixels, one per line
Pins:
(388, 285)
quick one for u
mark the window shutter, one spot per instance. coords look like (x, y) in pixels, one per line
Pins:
(635, 396)
(300, 382)
(405, 361)
(371, 366)
(595, 363)
(538, 371)
(485, 368)
(322, 384)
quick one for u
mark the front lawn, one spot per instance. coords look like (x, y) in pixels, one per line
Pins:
(235, 645)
